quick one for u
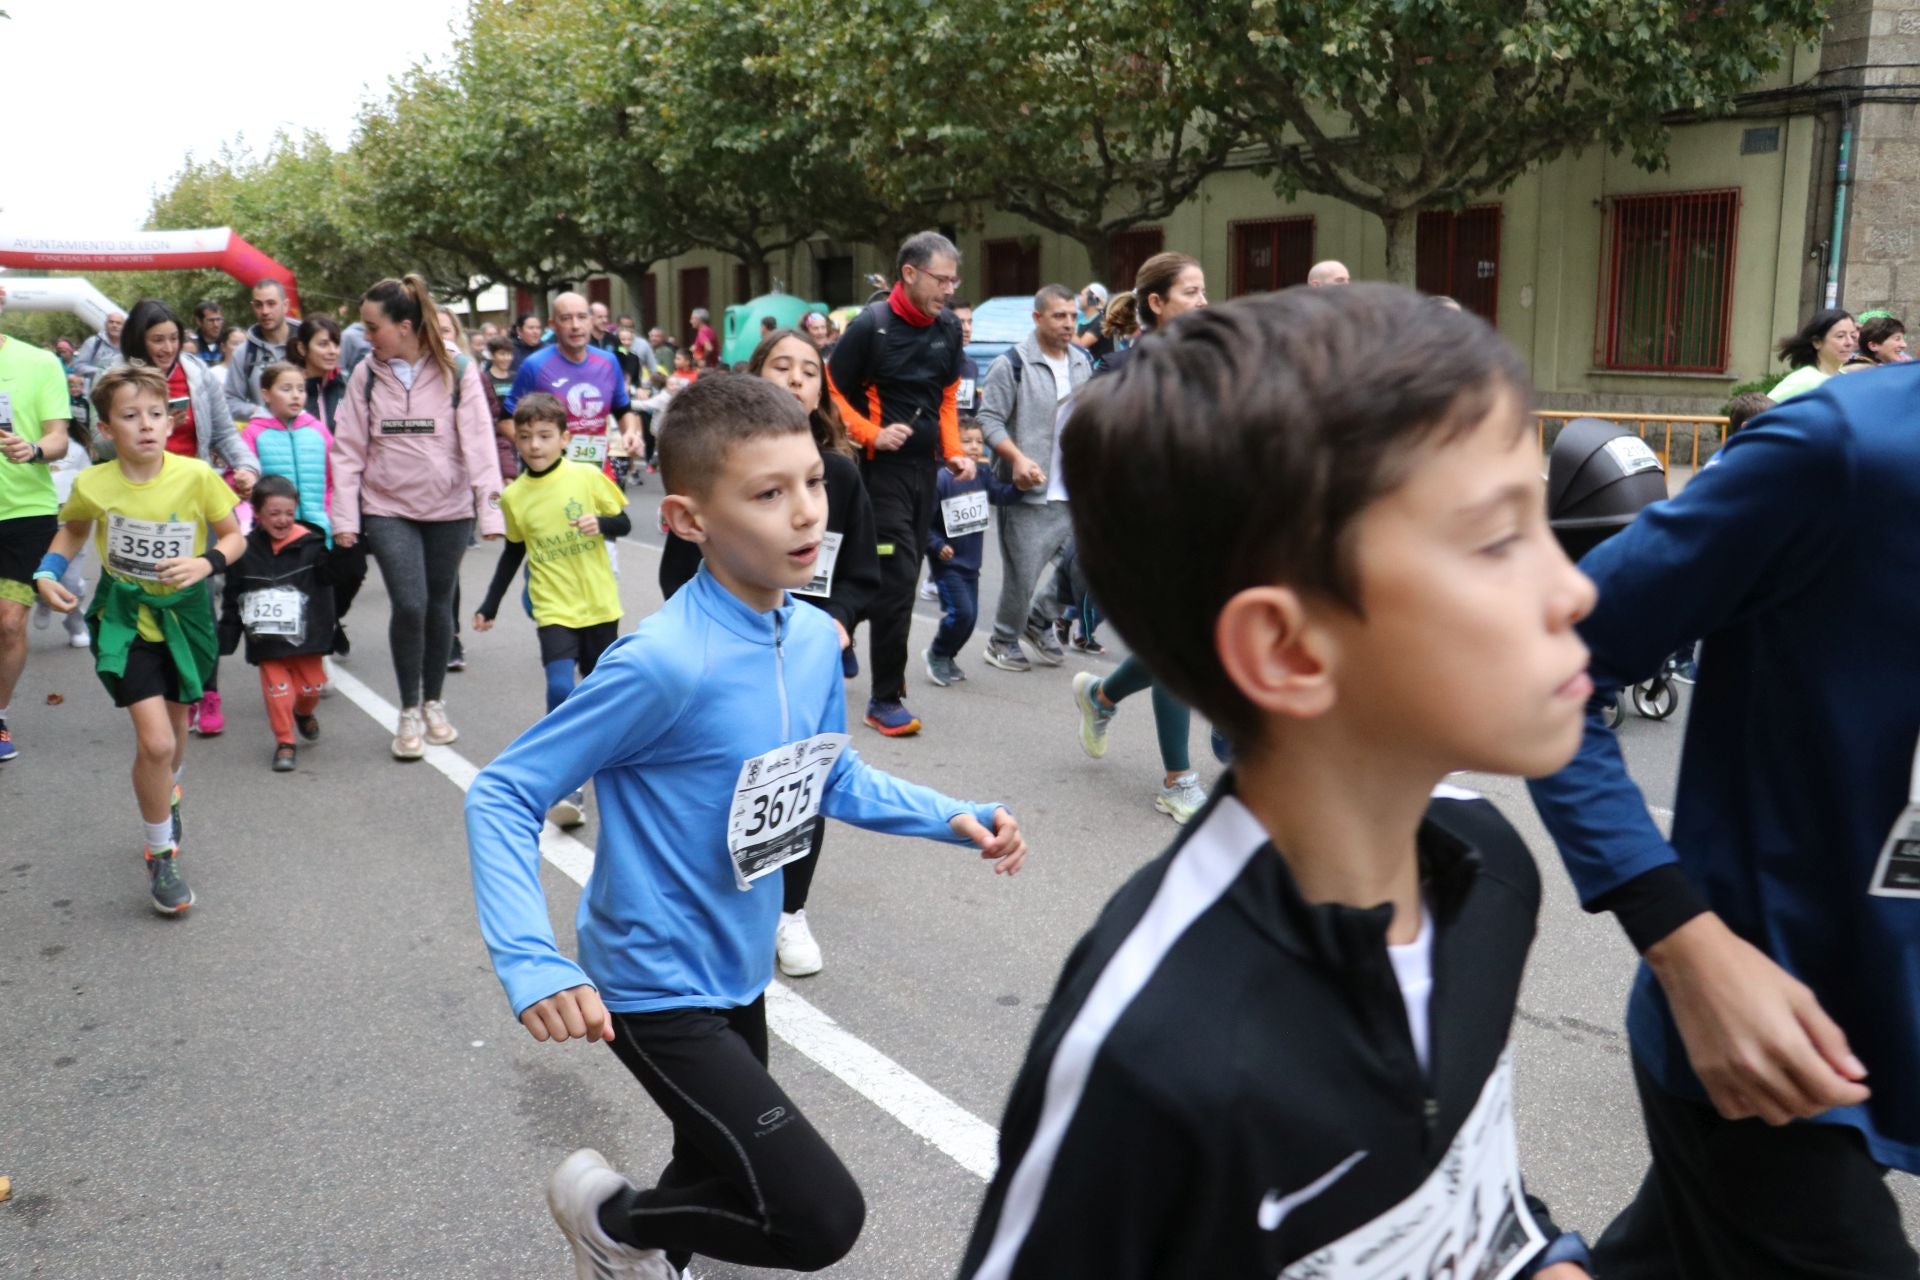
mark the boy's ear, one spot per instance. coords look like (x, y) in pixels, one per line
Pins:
(1274, 653)
(682, 515)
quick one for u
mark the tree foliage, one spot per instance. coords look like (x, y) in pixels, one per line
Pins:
(1394, 106)
(567, 137)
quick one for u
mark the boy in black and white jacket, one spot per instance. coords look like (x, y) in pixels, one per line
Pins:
(1282, 1050)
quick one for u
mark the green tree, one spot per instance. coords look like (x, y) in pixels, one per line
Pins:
(725, 114)
(1085, 119)
(1395, 106)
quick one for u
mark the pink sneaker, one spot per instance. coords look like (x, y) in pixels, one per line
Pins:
(211, 721)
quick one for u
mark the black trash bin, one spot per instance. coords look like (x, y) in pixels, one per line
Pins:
(1599, 477)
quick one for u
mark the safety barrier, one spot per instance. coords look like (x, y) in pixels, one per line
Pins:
(1691, 428)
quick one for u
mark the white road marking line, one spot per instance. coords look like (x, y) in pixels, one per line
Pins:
(969, 1141)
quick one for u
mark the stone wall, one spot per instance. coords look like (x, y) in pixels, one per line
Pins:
(1872, 43)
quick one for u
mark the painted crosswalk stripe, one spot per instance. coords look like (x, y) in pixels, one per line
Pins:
(969, 1141)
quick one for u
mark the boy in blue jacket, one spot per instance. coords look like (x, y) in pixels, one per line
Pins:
(716, 738)
(1780, 920)
(954, 541)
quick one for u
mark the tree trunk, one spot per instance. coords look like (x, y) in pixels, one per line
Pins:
(1403, 230)
(1099, 247)
(759, 274)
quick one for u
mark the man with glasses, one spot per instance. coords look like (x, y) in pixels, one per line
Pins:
(210, 327)
(895, 376)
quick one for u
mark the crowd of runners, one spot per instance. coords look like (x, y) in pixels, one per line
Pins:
(1314, 517)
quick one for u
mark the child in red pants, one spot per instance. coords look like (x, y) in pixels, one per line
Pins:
(279, 594)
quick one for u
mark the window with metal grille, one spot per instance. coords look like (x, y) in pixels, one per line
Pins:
(1669, 283)
(1458, 255)
(1013, 267)
(1271, 254)
(1128, 250)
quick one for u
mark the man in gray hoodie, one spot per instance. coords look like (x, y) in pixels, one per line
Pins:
(102, 351)
(266, 343)
(1019, 412)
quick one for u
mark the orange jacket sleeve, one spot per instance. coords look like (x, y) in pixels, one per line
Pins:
(861, 428)
(950, 446)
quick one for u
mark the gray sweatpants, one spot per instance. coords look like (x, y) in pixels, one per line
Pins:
(1031, 534)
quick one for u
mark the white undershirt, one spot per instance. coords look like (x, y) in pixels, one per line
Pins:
(1062, 374)
(1413, 970)
(405, 370)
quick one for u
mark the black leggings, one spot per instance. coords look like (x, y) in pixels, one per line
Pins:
(1731, 1199)
(420, 563)
(750, 1180)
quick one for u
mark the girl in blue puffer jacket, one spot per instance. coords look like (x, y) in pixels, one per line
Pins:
(293, 443)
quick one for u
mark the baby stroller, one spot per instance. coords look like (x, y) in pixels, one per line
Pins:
(1600, 476)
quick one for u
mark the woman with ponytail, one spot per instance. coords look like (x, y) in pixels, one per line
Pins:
(414, 469)
(1168, 284)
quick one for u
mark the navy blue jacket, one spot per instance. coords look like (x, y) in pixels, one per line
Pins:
(1797, 557)
(966, 547)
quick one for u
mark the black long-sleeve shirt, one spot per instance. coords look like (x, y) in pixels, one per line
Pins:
(1225, 1082)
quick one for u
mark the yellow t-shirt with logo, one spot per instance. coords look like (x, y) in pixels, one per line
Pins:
(138, 525)
(571, 579)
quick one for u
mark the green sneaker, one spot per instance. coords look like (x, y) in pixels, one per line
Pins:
(171, 896)
(1096, 717)
(1181, 798)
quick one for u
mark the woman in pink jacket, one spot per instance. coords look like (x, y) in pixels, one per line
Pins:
(413, 469)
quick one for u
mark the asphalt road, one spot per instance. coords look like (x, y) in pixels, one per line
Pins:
(315, 1072)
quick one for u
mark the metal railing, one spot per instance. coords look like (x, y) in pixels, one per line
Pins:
(1692, 427)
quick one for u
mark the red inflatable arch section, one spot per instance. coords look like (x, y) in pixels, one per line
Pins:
(217, 248)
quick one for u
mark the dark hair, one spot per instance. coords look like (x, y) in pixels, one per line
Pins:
(768, 324)
(1054, 293)
(141, 377)
(147, 314)
(540, 406)
(496, 345)
(272, 486)
(205, 305)
(970, 423)
(957, 304)
(1876, 331)
(1262, 429)
(922, 247)
(522, 318)
(278, 370)
(303, 334)
(1797, 348)
(1745, 406)
(409, 300)
(828, 431)
(709, 418)
(1155, 279)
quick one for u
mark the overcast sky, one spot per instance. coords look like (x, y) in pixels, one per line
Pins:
(107, 99)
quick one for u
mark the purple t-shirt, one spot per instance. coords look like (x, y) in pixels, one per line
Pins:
(594, 391)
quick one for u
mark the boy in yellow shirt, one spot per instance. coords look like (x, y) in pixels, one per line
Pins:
(560, 514)
(154, 641)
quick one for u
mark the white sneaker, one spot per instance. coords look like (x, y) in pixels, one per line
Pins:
(440, 730)
(929, 590)
(583, 1182)
(1181, 798)
(794, 947)
(570, 812)
(409, 740)
(80, 639)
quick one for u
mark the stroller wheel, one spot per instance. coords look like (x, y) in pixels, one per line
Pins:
(1614, 712)
(1656, 699)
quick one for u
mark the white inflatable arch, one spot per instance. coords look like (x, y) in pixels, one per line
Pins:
(42, 293)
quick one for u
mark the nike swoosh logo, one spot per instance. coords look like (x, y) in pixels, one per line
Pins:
(1275, 1207)
(560, 382)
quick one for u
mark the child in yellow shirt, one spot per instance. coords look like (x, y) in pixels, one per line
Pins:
(154, 641)
(559, 514)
